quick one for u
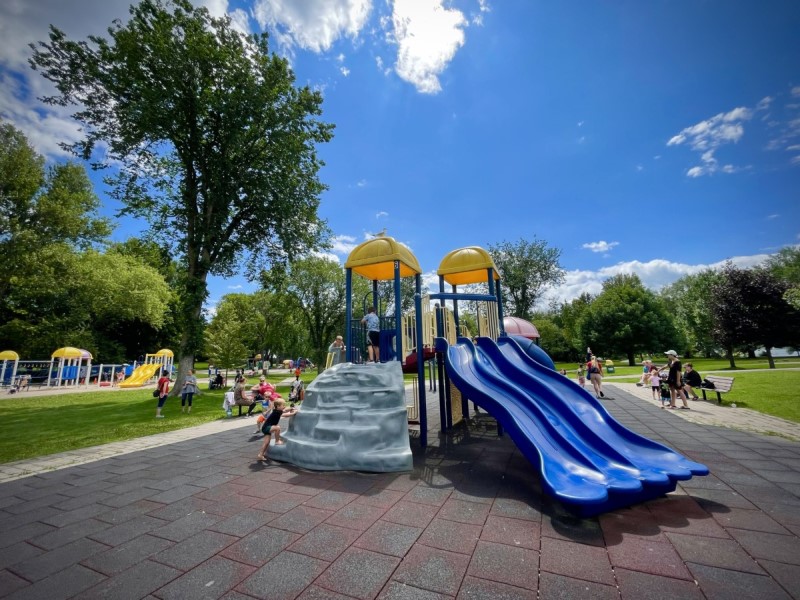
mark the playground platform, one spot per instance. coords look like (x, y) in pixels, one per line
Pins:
(194, 516)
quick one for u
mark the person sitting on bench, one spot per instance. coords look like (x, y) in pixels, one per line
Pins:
(691, 380)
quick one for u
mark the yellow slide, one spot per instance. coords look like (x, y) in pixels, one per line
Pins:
(140, 375)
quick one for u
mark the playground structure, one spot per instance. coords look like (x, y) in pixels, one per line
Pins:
(67, 366)
(153, 365)
(587, 460)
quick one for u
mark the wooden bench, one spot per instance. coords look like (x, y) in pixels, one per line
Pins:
(722, 385)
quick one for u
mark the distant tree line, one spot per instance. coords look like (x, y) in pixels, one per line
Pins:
(726, 312)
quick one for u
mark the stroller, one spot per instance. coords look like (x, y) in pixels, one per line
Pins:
(217, 383)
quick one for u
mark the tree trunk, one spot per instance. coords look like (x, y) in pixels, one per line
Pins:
(751, 353)
(631, 359)
(770, 358)
(730, 357)
(192, 298)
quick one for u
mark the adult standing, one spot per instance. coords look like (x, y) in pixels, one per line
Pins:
(674, 380)
(373, 324)
(337, 349)
(163, 389)
(595, 369)
(188, 391)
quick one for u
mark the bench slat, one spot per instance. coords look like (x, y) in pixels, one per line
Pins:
(722, 385)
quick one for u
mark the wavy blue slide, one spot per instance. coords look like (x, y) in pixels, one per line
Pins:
(588, 460)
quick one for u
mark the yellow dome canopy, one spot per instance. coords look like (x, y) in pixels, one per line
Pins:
(467, 265)
(67, 352)
(9, 355)
(374, 259)
(164, 352)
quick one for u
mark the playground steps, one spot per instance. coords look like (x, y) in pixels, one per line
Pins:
(353, 418)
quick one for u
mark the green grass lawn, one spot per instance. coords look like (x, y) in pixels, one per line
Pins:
(40, 425)
(36, 426)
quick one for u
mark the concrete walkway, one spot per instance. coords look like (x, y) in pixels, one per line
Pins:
(198, 518)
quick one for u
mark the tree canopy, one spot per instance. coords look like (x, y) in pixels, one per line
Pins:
(750, 310)
(212, 142)
(526, 269)
(628, 319)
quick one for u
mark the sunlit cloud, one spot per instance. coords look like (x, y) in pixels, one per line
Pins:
(601, 246)
(312, 24)
(343, 244)
(427, 35)
(654, 274)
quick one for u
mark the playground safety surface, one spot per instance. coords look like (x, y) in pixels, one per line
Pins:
(197, 517)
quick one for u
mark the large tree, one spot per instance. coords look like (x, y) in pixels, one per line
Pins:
(526, 269)
(213, 144)
(786, 265)
(750, 310)
(626, 318)
(316, 290)
(690, 301)
(40, 207)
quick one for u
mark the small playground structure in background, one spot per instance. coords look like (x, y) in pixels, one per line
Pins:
(152, 367)
(69, 366)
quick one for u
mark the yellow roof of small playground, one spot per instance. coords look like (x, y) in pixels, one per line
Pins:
(374, 259)
(467, 265)
(70, 352)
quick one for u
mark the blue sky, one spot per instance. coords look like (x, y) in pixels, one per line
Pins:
(654, 137)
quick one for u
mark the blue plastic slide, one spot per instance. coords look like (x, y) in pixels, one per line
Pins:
(587, 459)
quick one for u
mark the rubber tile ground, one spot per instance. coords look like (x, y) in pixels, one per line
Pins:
(200, 518)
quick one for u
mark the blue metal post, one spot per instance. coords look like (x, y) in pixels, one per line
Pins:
(440, 370)
(423, 408)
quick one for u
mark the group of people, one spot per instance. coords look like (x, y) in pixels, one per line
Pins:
(188, 390)
(681, 381)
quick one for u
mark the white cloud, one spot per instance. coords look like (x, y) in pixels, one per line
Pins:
(764, 103)
(22, 23)
(796, 91)
(381, 215)
(714, 132)
(695, 172)
(601, 246)
(707, 136)
(345, 71)
(427, 36)
(770, 217)
(240, 20)
(312, 24)
(343, 244)
(477, 17)
(654, 274)
(238, 286)
(334, 258)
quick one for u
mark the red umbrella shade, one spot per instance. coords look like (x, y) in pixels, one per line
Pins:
(517, 326)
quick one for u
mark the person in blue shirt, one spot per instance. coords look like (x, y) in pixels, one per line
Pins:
(373, 324)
